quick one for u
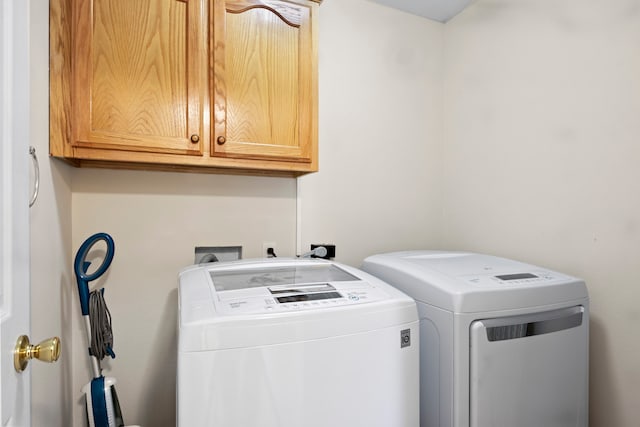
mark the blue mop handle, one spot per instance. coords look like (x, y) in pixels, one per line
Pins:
(81, 266)
(99, 403)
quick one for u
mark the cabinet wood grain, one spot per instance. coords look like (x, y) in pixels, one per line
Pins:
(223, 86)
(264, 80)
(138, 74)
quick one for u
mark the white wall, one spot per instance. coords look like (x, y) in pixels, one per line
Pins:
(541, 151)
(50, 222)
(378, 188)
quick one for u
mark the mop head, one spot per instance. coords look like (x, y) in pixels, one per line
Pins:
(103, 408)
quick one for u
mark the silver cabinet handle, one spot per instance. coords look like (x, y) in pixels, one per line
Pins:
(36, 169)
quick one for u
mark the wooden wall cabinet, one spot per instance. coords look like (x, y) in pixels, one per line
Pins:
(196, 85)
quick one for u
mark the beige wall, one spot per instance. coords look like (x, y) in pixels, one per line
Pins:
(378, 188)
(50, 222)
(539, 121)
(156, 220)
(541, 151)
(372, 140)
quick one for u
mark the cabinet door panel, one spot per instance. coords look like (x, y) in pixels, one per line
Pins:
(138, 75)
(263, 80)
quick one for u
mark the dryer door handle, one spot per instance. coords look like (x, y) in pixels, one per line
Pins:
(508, 328)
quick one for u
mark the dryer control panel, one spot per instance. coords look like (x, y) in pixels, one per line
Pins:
(515, 278)
(465, 282)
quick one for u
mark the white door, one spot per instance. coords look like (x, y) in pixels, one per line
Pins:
(15, 388)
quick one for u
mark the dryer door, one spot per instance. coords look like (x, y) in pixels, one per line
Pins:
(530, 370)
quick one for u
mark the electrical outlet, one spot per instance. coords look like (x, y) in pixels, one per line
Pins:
(217, 253)
(265, 249)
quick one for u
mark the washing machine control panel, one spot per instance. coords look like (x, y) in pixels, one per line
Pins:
(287, 288)
(311, 296)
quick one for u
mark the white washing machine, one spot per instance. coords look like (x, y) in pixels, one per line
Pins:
(295, 343)
(503, 343)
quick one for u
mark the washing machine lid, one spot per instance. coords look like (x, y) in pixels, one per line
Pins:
(465, 282)
(269, 301)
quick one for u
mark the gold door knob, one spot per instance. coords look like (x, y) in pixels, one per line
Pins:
(47, 351)
(221, 140)
(195, 138)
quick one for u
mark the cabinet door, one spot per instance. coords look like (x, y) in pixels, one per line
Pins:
(139, 75)
(264, 80)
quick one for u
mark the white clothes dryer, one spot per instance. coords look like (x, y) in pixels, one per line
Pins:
(293, 343)
(503, 343)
